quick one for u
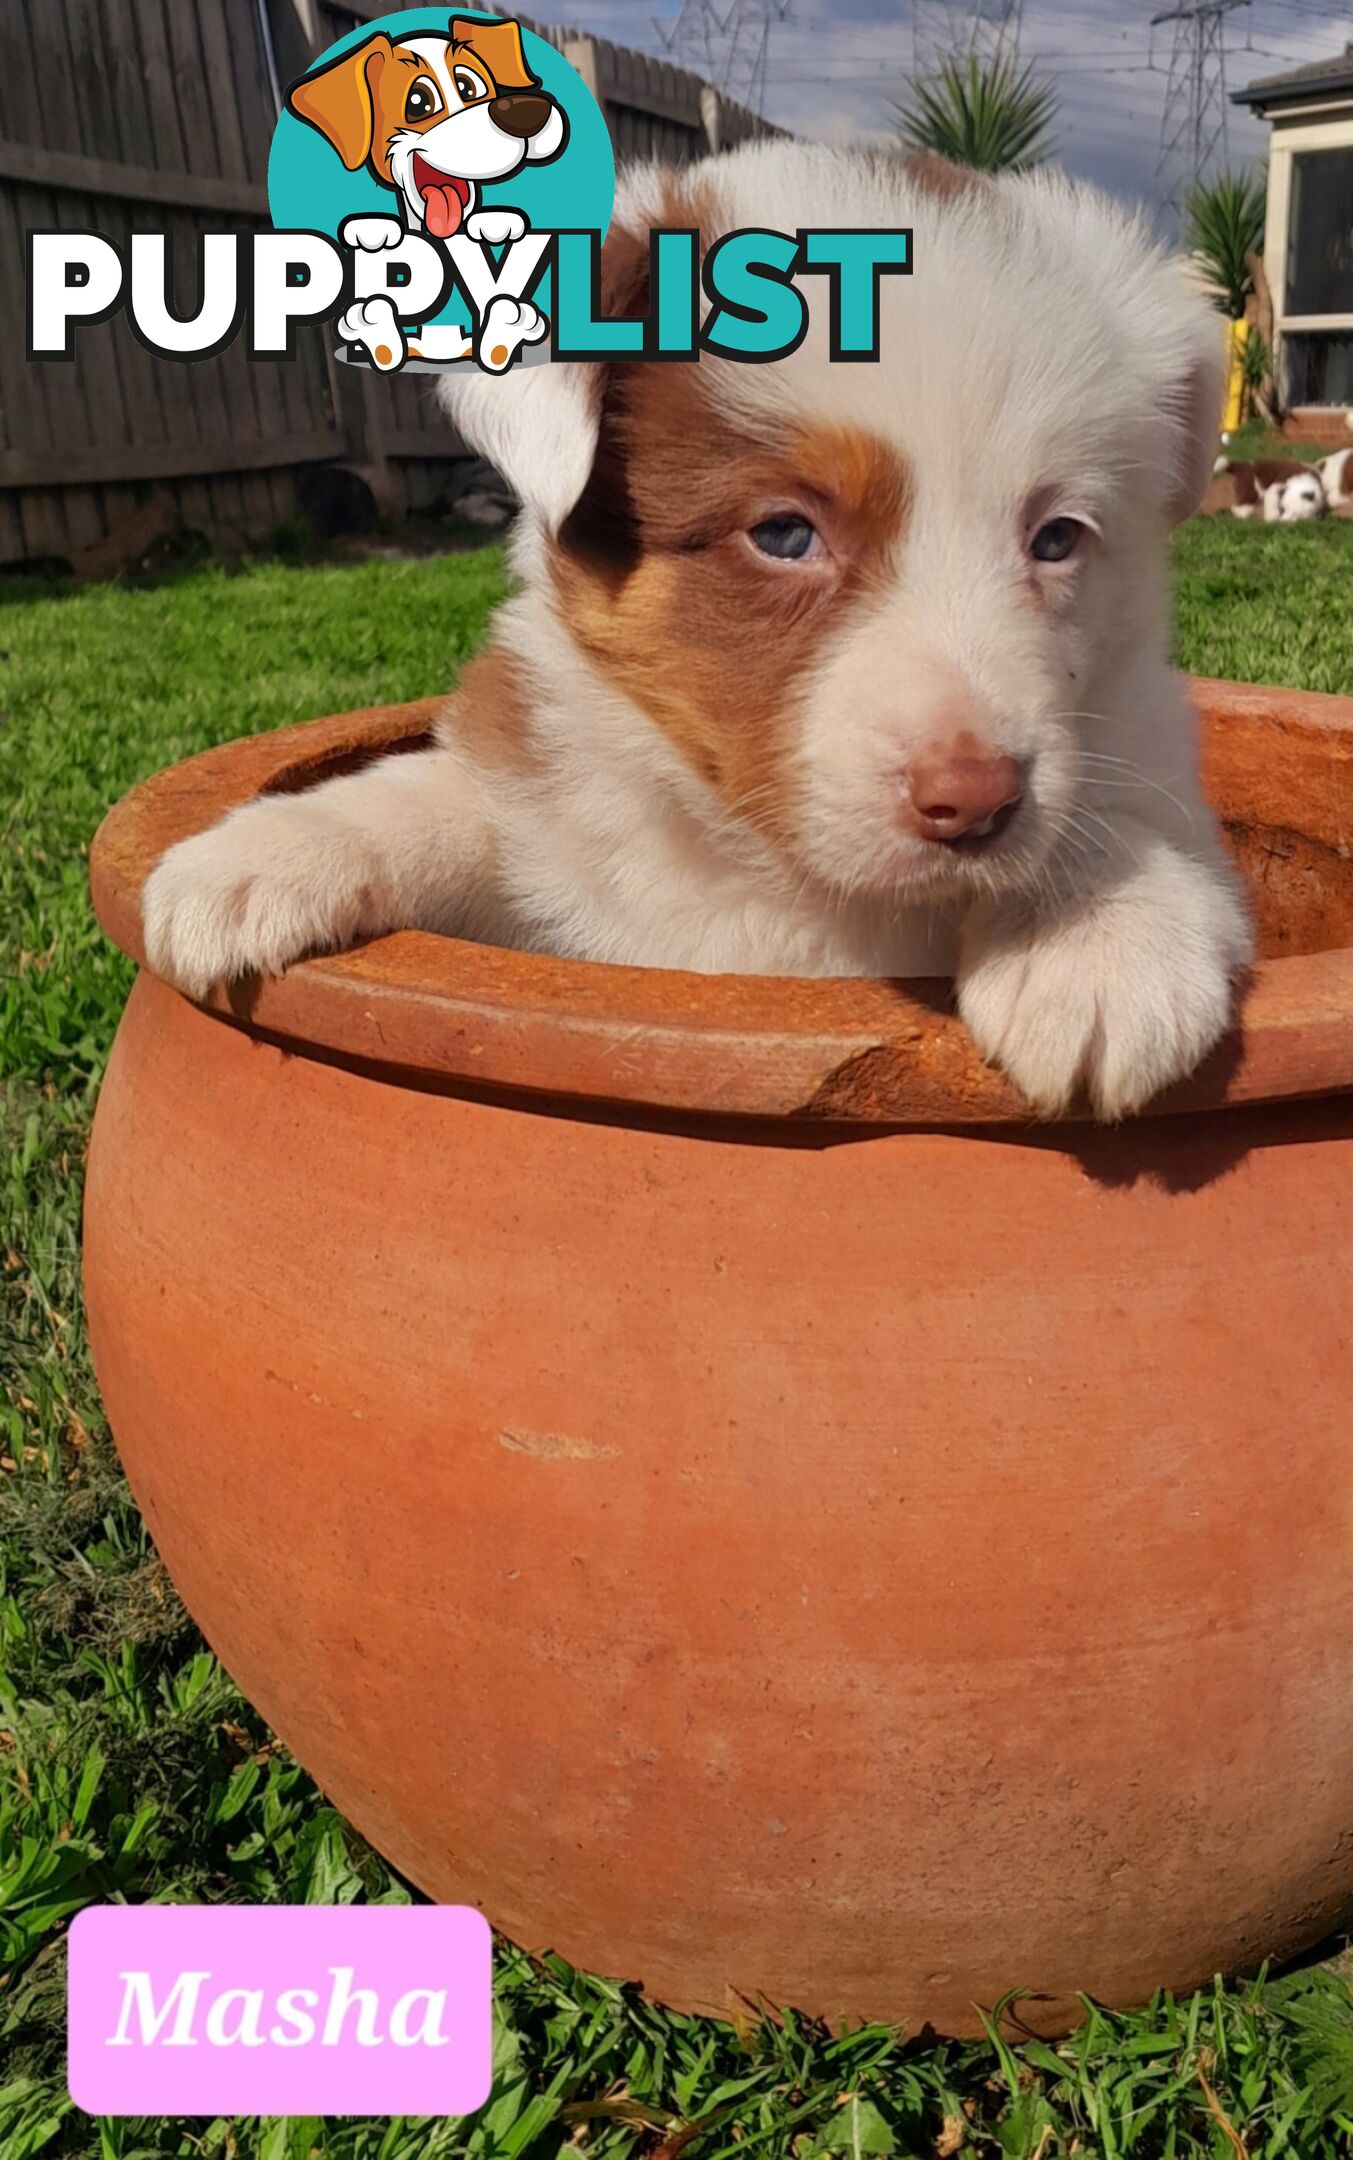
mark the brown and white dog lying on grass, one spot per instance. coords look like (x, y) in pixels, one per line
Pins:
(1277, 491)
(822, 669)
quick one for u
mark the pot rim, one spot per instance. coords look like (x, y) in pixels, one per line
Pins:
(421, 1009)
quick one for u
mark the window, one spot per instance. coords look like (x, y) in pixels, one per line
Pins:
(1320, 234)
(1318, 367)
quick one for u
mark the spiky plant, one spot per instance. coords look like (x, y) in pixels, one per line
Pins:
(993, 115)
(1224, 229)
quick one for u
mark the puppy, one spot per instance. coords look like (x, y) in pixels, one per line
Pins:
(1249, 481)
(434, 117)
(796, 684)
(1293, 502)
(1337, 475)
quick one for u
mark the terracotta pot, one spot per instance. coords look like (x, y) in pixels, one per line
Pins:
(692, 1471)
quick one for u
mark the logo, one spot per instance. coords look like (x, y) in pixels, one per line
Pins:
(445, 152)
(441, 184)
(279, 2010)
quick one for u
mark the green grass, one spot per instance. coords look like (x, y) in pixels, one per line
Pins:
(1268, 603)
(130, 1767)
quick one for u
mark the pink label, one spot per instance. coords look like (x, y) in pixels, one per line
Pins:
(280, 2010)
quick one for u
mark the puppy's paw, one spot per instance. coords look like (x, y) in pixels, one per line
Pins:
(1120, 992)
(499, 227)
(508, 325)
(374, 325)
(371, 234)
(264, 887)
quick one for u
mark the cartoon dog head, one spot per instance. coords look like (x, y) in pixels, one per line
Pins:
(435, 116)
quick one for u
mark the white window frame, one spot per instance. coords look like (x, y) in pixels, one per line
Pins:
(1305, 131)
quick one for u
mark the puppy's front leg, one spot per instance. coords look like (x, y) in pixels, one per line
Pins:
(401, 845)
(1120, 979)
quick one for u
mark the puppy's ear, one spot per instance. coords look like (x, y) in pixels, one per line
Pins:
(500, 48)
(340, 101)
(542, 426)
(1194, 413)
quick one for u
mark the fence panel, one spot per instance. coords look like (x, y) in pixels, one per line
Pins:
(125, 116)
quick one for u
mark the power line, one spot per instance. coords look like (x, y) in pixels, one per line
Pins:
(943, 31)
(730, 49)
(1193, 124)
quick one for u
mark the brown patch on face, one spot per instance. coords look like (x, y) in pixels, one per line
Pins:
(863, 476)
(668, 597)
(941, 178)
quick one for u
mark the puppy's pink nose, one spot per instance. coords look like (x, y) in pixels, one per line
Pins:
(960, 793)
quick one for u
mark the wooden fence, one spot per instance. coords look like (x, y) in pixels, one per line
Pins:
(118, 116)
(653, 109)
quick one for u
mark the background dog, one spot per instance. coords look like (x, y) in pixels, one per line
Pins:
(1276, 490)
(793, 683)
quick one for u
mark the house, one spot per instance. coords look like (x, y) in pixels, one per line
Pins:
(1308, 244)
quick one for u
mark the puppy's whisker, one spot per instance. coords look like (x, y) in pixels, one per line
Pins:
(1115, 843)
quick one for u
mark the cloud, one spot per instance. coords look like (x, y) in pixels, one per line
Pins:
(837, 67)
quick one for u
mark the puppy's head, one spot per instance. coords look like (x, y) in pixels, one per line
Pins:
(875, 608)
(1298, 499)
(435, 117)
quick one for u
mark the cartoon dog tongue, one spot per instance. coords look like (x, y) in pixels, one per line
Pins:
(443, 210)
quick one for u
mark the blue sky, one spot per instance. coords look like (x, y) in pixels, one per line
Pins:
(836, 64)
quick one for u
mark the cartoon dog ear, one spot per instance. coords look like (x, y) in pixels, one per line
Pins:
(340, 101)
(500, 48)
(542, 427)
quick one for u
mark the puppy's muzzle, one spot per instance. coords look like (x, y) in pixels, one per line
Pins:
(522, 113)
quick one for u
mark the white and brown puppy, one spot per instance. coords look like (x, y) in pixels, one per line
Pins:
(795, 683)
(1256, 485)
(434, 117)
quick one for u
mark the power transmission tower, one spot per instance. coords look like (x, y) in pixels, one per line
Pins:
(1193, 124)
(729, 46)
(946, 30)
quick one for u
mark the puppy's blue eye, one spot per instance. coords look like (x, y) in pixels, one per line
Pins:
(1056, 540)
(784, 539)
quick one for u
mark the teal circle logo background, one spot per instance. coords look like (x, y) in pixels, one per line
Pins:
(311, 190)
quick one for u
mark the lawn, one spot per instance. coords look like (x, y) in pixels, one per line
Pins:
(130, 1767)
